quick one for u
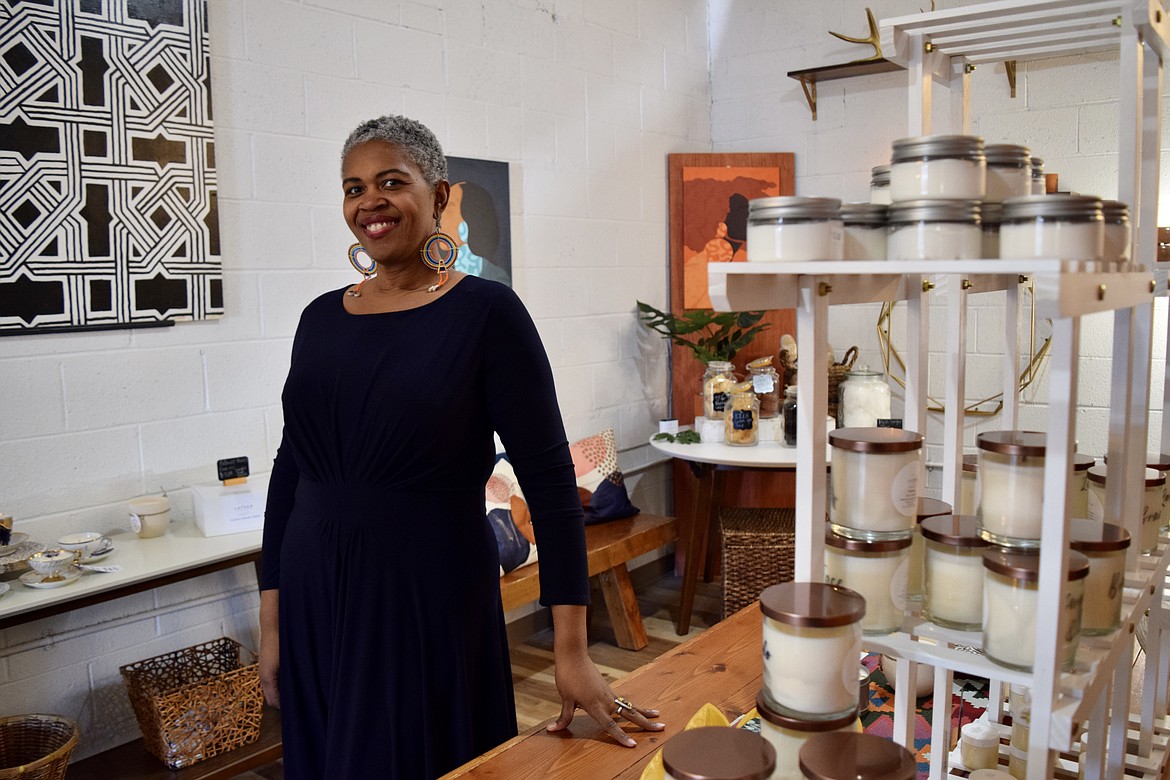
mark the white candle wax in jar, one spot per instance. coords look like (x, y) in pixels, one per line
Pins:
(812, 637)
(1152, 498)
(1116, 246)
(877, 570)
(1009, 171)
(865, 231)
(933, 240)
(1104, 544)
(1011, 487)
(979, 745)
(874, 482)
(915, 578)
(954, 571)
(1066, 227)
(1010, 590)
(787, 735)
(718, 752)
(938, 167)
(794, 228)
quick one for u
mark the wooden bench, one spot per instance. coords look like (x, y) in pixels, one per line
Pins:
(610, 546)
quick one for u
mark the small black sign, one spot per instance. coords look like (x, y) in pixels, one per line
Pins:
(232, 468)
(889, 422)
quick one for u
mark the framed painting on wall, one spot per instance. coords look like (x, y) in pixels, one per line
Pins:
(479, 217)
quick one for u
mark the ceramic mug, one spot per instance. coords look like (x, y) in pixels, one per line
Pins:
(150, 516)
(88, 543)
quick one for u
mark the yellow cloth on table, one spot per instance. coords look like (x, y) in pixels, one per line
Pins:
(709, 715)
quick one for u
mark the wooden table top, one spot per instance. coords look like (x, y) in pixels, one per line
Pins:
(722, 666)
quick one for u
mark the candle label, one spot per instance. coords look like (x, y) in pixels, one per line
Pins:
(904, 489)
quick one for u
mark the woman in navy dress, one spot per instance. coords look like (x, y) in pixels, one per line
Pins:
(382, 632)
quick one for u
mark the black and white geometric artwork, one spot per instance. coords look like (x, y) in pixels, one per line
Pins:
(107, 165)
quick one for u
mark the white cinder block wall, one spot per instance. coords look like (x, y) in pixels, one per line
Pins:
(1066, 110)
(584, 98)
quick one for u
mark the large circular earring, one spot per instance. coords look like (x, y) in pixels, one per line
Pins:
(365, 271)
(438, 252)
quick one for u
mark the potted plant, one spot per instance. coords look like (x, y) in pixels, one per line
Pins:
(709, 335)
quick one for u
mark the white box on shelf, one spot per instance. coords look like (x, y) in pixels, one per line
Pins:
(230, 509)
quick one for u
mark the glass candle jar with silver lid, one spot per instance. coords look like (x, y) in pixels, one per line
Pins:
(916, 573)
(1009, 172)
(1104, 544)
(863, 398)
(1154, 484)
(934, 230)
(1011, 487)
(878, 570)
(879, 185)
(1065, 227)
(793, 228)
(1039, 182)
(787, 734)
(720, 752)
(812, 638)
(865, 231)
(954, 571)
(874, 482)
(1010, 601)
(990, 215)
(938, 167)
(1116, 247)
(849, 756)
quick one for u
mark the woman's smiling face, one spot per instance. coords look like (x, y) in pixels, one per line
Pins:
(386, 201)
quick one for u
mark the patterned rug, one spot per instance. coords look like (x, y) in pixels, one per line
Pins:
(968, 702)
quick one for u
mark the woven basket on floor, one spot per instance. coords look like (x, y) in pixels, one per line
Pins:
(758, 546)
(197, 702)
(36, 747)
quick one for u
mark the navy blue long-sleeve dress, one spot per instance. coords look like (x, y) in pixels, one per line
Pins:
(394, 658)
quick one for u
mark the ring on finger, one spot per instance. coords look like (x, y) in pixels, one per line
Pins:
(622, 704)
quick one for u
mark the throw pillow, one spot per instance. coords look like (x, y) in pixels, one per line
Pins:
(600, 482)
(508, 514)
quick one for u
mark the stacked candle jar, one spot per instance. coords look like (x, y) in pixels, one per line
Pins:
(936, 184)
(811, 641)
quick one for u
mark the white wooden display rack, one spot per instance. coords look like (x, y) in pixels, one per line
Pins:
(942, 46)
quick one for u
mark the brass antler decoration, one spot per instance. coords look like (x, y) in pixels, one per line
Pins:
(873, 39)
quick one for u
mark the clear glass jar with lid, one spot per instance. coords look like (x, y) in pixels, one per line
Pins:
(865, 231)
(954, 571)
(1039, 182)
(1010, 487)
(766, 383)
(741, 417)
(1009, 172)
(863, 398)
(878, 570)
(1154, 485)
(1104, 544)
(873, 482)
(848, 756)
(1117, 232)
(934, 230)
(793, 228)
(879, 185)
(938, 167)
(718, 380)
(718, 752)
(789, 412)
(1065, 227)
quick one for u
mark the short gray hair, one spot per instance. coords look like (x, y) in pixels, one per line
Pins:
(412, 136)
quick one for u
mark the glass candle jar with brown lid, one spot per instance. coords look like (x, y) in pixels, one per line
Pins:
(787, 734)
(1078, 497)
(877, 570)
(1154, 485)
(927, 507)
(718, 753)
(1011, 487)
(1104, 544)
(874, 482)
(846, 756)
(954, 571)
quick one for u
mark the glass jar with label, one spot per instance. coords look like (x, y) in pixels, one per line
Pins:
(954, 571)
(812, 637)
(1011, 487)
(863, 398)
(1104, 544)
(1065, 227)
(1115, 215)
(879, 185)
(741, 417)
(873, 486)
(789, 412)
(865, 231)
(979, 745)
(877, 570)
(934, 230)
(848, 756)
(718, 380)
(791, 228)
(1009, 172)
(718, 752)
(1152, 493)
(938, 167)
(915, 581)
(787, 734)
(766, 384)
(990, 215)
(1039, 183)
(1010, 595)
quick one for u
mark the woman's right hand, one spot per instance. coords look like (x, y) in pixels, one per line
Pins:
(270, 646)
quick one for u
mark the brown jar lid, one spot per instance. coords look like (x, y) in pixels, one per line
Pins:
(847, 755)
(834, 539)
(776, 718)
(875, 439)
(1083, 462)
(970, 463)
(1097, 475)
(932, 507)
(955, 530)
(1021, 566)
(1027, 443)
(718, 753)
(812, 604)
(1088, 536)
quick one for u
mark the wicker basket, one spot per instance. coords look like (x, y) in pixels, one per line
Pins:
(197, 702)
(837, 372)
(758, 547)
(36, 747)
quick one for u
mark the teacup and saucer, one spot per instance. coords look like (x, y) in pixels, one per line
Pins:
(87, 545)
(50, 569)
